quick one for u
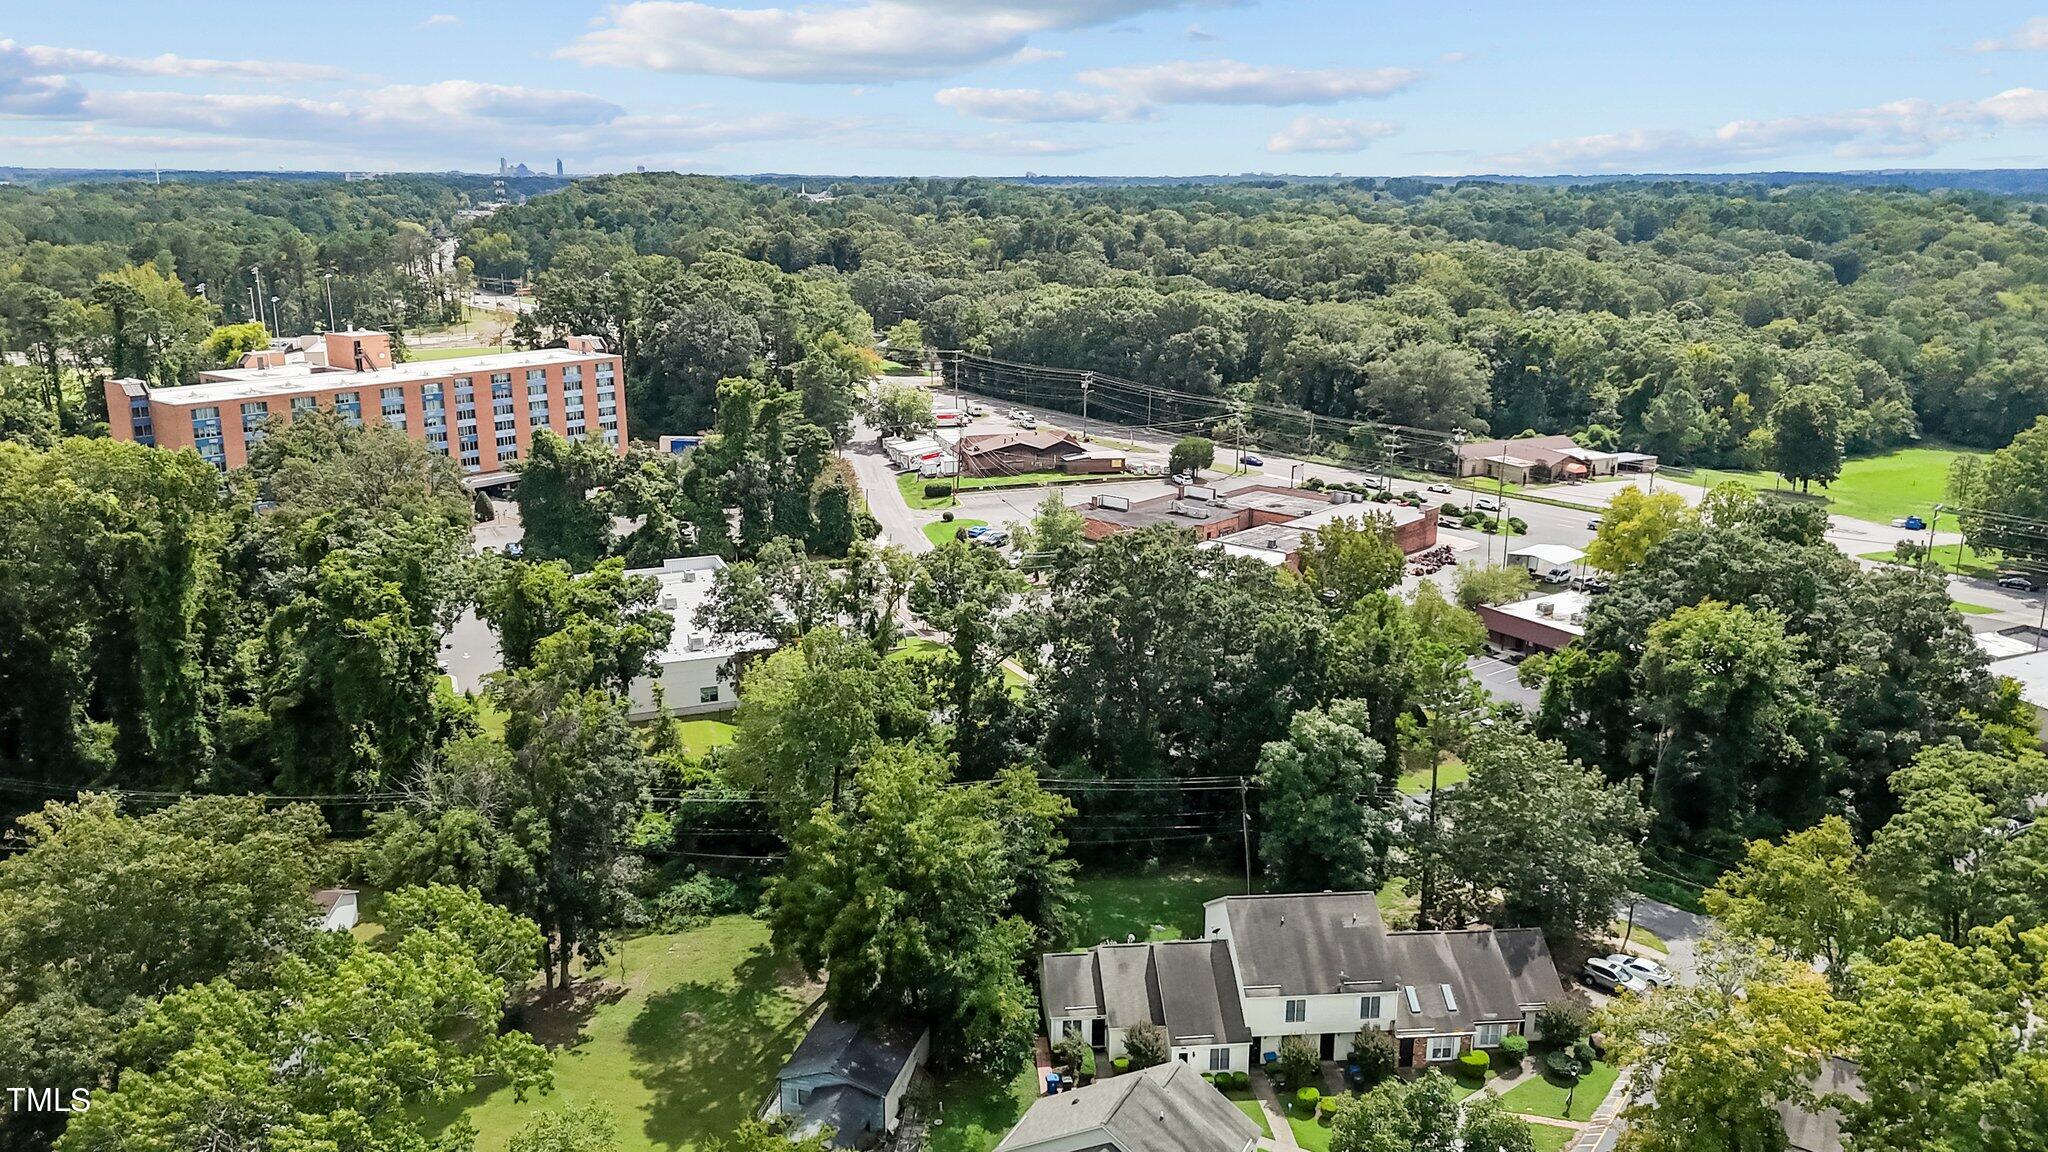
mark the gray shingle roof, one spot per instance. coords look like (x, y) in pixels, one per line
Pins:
(1308, 945)
(1130, 985)
(846, 1111)
(867, 1057)
(1198, 988)
(1164, 1109)
(1821, 1129)
(1067, 981)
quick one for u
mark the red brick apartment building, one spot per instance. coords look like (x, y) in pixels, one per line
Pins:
(481, 411)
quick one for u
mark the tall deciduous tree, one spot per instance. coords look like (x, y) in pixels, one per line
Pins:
(1634, 522)
(556, 480)
(1807, 895)
(1344, 561)
(525, 602)
(1806, 432)
(964, 592)
(1552, 836)
(1322, 806)
(1748, 1036)
(904, 897)
(903, 410)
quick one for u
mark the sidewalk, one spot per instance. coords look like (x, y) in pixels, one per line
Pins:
(1276, 1116)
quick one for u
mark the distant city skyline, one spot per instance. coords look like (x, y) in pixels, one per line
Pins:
(1109, 87)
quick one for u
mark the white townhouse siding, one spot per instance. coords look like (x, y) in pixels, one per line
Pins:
(1215, 1057)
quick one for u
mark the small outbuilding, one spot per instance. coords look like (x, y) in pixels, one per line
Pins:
(849, 1078)
(337, 906)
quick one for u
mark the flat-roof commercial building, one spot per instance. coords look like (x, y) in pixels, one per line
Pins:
(1262, 522)
(480, 411)
(1543, 623)
(1541, 459)
(696, 670)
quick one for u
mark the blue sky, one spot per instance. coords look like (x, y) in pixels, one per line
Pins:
(929, 87)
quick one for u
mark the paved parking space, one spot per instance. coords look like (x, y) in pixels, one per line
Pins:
(1502, 682)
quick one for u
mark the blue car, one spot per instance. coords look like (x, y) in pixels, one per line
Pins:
(1251, 458)
(977, 532)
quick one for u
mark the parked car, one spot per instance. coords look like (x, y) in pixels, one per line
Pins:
(1605, 975)
(1910, 524)
(977, 409)
(1642, 968)
(1441, 489)
(2018, 582)
(992, 537)
(1181, 478)
(1251, 458)
(1486, 504)
(1027, 421)
(1595, 584)
(978, 531)
(1594, 523)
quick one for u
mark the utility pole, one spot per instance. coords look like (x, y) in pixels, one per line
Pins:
(1087, 379)
(1245, 814)
(327, 282)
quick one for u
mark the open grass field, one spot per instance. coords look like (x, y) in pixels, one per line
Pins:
(1876, 488)
(701, 736)
(943, 532)
(681, 1045)
(1960, 560)
(1309, 1132)
(1162, 905)
(919, 646)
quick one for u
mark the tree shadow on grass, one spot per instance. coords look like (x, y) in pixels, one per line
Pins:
(708, 1052)
(557, 1019)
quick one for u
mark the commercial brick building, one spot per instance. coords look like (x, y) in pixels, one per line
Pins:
(480, 411)
(1264, 522)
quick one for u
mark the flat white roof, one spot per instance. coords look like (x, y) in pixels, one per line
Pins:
(1998, 646)
(259, 383)
(1563, 606)
(2031, 671)
(1358, 511)
(1549, 553)
(685, 586)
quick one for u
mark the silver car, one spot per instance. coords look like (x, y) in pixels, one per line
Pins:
(1602, 973)
(1648, 971)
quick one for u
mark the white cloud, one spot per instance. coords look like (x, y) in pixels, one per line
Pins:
(1328, 134)
(1454, 58)
(2029, 37)
(439, 20)
(1232, 82)
(1032, 106)
(23, 60)
(1197, 32)
(870, 41)
(2016, 106)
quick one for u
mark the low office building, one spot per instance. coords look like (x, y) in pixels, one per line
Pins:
(1260, 521)
(1543, 623)
(696, 670)
(1543, 459)
(1032, 450)
(1317, 966)
(480, 411)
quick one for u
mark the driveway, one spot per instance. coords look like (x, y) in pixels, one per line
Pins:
(900, 526)
(1680, 930)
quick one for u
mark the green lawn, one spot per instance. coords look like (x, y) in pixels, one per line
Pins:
(1551, 1138)
(918, 646)
(943, 532)
(975, 1111)
(1640, 935)
(455, 353)
(683, 1044)
(1540, 1096)
(1878, 488)
(1161, 905)
(911, 485)
(1450, 773)
(1248, 1103)
(1963, 561)
(1309, 1132)
(1971, 609)
(701, 736)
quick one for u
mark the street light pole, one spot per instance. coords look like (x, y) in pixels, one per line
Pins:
(327, 282)
(1087, 379)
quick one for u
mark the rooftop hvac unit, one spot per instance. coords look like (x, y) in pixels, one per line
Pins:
(668, 601)
(1578, 617)
(1546, 608)
(689, 575)
(696, 643)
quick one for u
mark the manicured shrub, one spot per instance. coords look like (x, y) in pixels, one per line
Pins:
(1240, 1080)
(1563, 1022)
(1473, 1064)
(938, 488)
(945, 517)
(1307, 1098)
(1300, 1064)
(1145, 1045)
(1120, 1065)
(1513, 1047)
(1563, 1065)
(1518, 526)
(1377, 1055)
(1327, 1107)
(1209, 1078)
